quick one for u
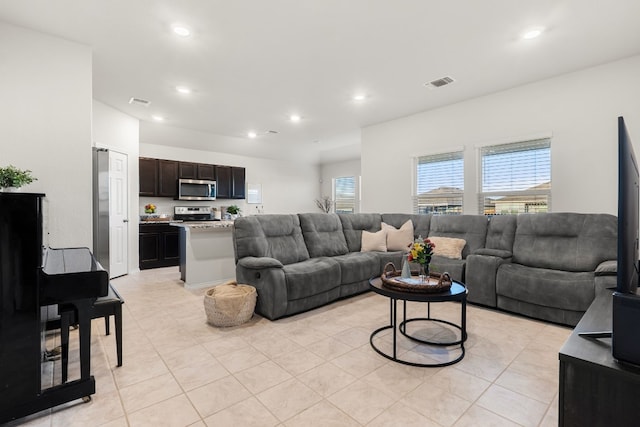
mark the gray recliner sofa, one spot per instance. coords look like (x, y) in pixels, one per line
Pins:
(544, 266)
(557, 262)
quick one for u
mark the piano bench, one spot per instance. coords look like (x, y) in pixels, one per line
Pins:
(106, 306)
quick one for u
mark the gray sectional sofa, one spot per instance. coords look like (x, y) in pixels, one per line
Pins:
(545, 266)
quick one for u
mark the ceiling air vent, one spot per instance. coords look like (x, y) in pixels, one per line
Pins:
(439, 82)
(139, 101)
(272, 131)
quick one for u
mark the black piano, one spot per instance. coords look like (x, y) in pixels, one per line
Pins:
(32, 278)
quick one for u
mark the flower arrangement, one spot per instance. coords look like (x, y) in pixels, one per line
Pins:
(149, 208)
(420, 251)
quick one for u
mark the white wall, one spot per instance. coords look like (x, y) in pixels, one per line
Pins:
(330, 171)
(287, 187)
(45, 126)
(119, 132)
(579, 110)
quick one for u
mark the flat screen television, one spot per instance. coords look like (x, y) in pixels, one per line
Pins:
(626, 304)
(625, 346)
(628, 211)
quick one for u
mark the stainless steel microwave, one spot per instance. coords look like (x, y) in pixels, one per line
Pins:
(196, 189)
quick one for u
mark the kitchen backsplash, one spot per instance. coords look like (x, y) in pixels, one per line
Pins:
(165, 206)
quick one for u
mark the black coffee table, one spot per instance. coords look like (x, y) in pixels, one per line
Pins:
(458, 292)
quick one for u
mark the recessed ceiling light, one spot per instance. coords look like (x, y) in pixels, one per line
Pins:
(181, 31)
(359, 97)
(158, 118)
(183, 89)
(295, 118)
(532, 33)
(252, 134)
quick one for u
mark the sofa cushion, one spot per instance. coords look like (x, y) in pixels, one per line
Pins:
(323, 234)
(399, 239)
(448, 247)
(354, 224)
(471, 228)
(455, 267)
(374, 241)
(274, 236)
(493, 252)
(358, 266)
(545, 287)
(501, 231)
(395, 257)
(565, 241)
(421, 223)
(311, 277)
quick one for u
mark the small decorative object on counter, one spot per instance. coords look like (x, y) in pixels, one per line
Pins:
(150, 208)
(12, 178)
(234, 211)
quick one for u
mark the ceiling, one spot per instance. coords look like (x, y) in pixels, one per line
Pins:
(253, 63)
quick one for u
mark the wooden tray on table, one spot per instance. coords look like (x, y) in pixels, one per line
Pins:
(433, 284)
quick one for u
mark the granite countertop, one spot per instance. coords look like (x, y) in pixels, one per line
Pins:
(203, 224)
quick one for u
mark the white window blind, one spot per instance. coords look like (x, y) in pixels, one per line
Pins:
(516, 178)
(344, 194)
(439, 184)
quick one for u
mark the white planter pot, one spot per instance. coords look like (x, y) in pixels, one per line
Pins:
(10, 189)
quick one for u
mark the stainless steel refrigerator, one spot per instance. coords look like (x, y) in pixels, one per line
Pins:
(101, 206)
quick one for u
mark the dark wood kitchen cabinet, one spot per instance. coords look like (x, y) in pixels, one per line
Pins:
(148, 169)
(202, 171)
(207, 172)
(223, 182)
(167, 178)
(237, 182)
(158, 246)
(187, 170)
(159, 177)
(230, 182)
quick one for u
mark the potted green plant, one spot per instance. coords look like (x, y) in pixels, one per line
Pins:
(12, 177)
(234, 211)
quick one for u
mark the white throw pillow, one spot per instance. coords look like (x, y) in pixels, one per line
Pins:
(448, 247)
(399, 239)
(374, 241)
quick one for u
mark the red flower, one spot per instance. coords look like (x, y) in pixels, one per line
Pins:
(410, 258)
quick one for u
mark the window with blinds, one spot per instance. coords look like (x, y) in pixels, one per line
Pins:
(344, 194)
(439, 184)
(516, 178)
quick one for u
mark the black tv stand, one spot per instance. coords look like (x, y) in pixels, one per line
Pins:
(596, 389)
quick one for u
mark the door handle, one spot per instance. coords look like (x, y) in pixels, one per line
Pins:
(125, 220)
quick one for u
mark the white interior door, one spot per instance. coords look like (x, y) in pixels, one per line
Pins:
(118, 214)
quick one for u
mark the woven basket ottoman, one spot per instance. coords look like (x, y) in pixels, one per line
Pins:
(230, 304)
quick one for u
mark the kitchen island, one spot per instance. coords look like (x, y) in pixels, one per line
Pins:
(206, 252)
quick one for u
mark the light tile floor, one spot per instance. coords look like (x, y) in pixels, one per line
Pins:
(313, 369)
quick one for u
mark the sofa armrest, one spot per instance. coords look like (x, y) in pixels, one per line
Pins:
(607, 268)
(259, 263)
(267, 276)
(493, 252)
